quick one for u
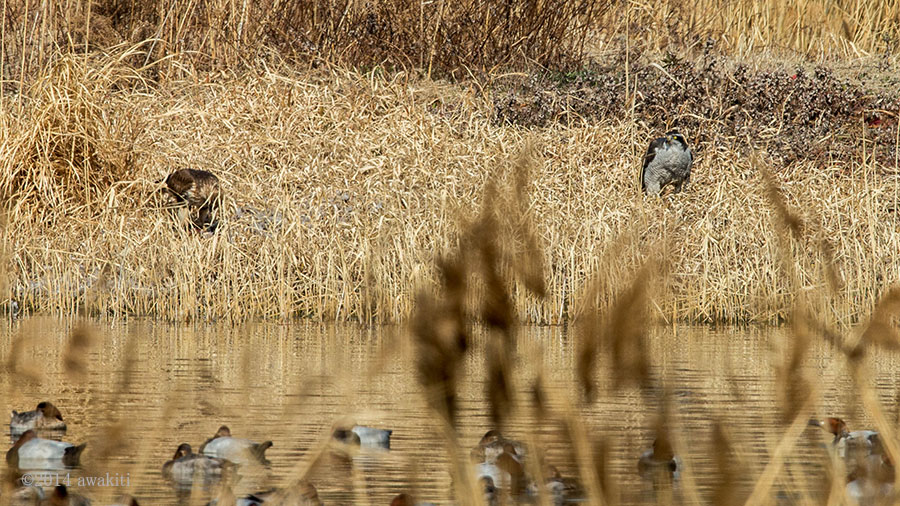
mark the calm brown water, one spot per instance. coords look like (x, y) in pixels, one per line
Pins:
(290, 383)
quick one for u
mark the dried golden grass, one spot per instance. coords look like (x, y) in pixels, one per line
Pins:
(817, 29)
(441, 37)
(456, 38)
(292, 144)
(342, 187)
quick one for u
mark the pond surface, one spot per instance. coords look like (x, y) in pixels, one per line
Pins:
(143, 388)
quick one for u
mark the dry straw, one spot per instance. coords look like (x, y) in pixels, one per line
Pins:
(343, 186)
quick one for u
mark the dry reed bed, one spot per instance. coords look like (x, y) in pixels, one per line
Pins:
(447, 38)
(815, 28)
(343, 188)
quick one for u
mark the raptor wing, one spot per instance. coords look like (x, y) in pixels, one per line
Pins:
(651, 151)
(651, 154)
(181, 184)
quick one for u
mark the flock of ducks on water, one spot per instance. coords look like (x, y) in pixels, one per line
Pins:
(497, 462)
(870, 471)
(196, 195)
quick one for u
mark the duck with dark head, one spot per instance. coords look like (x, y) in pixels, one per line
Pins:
(45, 417)
(199, 193)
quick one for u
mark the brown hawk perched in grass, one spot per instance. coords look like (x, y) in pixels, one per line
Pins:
(199, 193)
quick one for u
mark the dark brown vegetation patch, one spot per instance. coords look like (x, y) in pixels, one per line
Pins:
(443, 38)
(798, 113)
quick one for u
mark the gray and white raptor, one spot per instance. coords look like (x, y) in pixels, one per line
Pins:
(668, 161)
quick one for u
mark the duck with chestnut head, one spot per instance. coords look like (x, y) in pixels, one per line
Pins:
(187, 468)
(660, 461)
(870, 470)
(846, 443)
(45, 416)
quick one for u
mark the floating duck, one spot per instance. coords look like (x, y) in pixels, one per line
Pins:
(506, 470)
(239, 451)
(371, 437)
(44, 416)
(493, 444)
(366, 437)
(659, 461)
(32, 452)
(848, 444)
(186, 467)
(563, 490)
(500, 466)
(870, 472)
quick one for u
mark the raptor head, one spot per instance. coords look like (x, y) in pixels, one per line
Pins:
(674, 136)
